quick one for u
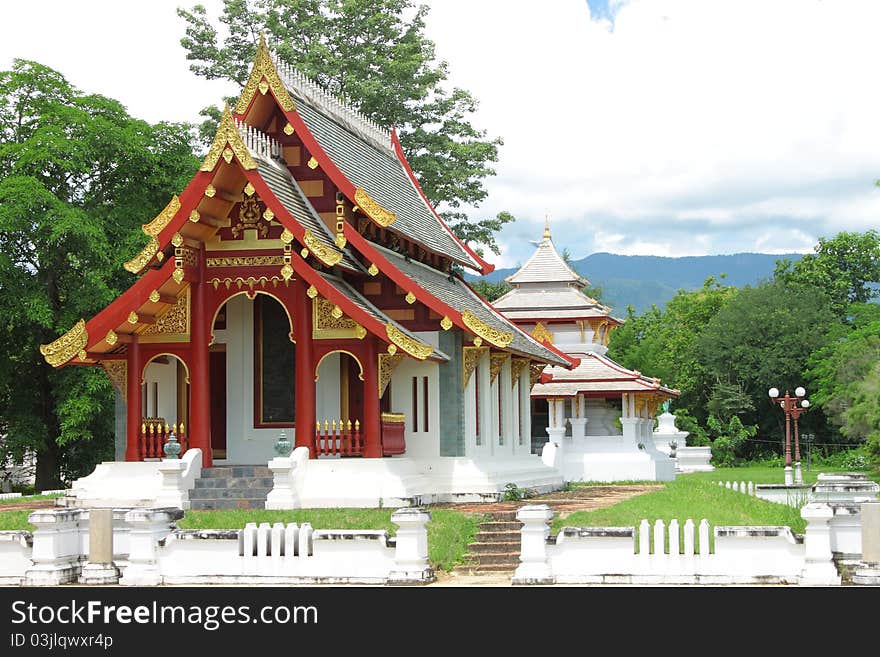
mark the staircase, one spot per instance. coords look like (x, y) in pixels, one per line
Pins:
(232, 487)
(496, 548)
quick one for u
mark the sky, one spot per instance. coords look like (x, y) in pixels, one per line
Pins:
(651, 127)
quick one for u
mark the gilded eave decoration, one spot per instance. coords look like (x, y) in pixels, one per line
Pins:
(324, 253)
(375, 211)
(329, 322)
(163, 218)
(535, 370)
(117, 372)
(517, 365)
(472, 356)
(488, 333)
(496, 362)
(227, 133)
(142, 259)
(264, 68)
(174, 321)
(387, 365)
(67, 346)
(411, 346)
(541, 334)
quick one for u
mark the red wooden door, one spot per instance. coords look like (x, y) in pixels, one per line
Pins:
(218, 403)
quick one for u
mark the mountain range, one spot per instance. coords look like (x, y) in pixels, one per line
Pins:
(644, 280)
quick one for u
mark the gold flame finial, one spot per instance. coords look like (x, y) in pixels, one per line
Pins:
(547, 226)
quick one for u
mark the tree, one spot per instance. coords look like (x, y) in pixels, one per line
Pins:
(662, 343)
(763, 338)
(77, 178)
(374, 55)
(845, 266)
(491, 291)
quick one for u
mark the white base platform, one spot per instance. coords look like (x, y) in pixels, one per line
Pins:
(609, 459)
(403, 481)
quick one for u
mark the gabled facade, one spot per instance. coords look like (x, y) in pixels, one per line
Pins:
(302, 282)
(598, 416)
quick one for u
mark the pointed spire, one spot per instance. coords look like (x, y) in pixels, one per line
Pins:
(547, 226)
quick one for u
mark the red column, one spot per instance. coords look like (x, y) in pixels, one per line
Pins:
(134, 412)
(200, 378)
(371, 430)
(305, 369)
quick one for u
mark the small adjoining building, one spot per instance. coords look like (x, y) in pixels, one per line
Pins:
(593, 421)
(303, 283)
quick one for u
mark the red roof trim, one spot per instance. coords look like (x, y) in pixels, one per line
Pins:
(485, 267)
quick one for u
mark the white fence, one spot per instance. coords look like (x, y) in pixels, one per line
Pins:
(148, 550)
(673, 554)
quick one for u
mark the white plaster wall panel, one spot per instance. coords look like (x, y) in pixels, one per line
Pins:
(419, 443)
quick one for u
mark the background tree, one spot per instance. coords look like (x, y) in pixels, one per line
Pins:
(78, 176)
(373, 54)
(846, 266)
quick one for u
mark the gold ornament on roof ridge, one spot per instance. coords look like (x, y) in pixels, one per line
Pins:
(227, 133)
(410, 298)
(410, 345)
(375, 211)
(132, 317)
(249, 189)
(111, 337)
(312, 163)
(286, 236)
(177, 239)
(482, 329)
(210, 191)
(67, 346)
(312, 292)
(445, 323)
(142, 259)
(373, 270)
(288, 129)
(162, 219)
(194, 216)
(324, 253)
(264, 75)
(154, 296)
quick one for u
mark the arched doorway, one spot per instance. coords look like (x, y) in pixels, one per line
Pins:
(339, 395)
(164, 405)
(252, 377)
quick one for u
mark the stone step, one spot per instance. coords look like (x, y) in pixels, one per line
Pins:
(229, 493)
(500, 526)
(497, 537)
(234, 482)
(483, 568)
(226, 504)
(229, 471)
(494, 547)
(497, 558)
(504, 516)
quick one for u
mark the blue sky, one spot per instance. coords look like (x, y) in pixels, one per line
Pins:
(661, 127)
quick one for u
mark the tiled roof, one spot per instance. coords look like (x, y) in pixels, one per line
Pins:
(553, 297)
(344, 288)
(546, 266)
(294, 201)
(382, 176)
(458, 295)
(597, 373)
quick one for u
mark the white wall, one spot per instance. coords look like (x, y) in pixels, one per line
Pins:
(419, 443)
(327, 392)
(165, 375)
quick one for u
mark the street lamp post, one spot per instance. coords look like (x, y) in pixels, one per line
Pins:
(792, 407)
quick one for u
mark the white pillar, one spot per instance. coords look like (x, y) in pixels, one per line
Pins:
(534, 567)
(525, 411)
(100, 568)
(148, 526)
(868, 570)
(56, 547)
(819, 568)
(286, 472)
(411, 549)
(578, 420)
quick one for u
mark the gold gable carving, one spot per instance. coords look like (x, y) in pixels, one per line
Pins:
(387, 365)
(264, 73)
(163, 218)
(174, 321)
(541, 334)
(410, 345)
(117, 372)
(142, 259)
(488, 333)
(227, 133)
(329, 322)
(67, 346)
(472, 356)
(496, 362)
(517, 365)
(376, 212)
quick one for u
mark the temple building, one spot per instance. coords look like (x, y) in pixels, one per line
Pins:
(594, 421)
(303, 283)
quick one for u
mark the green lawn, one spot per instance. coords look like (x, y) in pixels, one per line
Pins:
(27, 498)
(11, 520)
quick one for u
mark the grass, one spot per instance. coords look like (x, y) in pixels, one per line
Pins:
(449, 531)
(15, 519)
(28, 498)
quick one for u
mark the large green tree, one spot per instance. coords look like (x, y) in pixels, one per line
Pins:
(763, 338)
(663, 343)
(78, 176)
(375, 55)
(845, 266)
